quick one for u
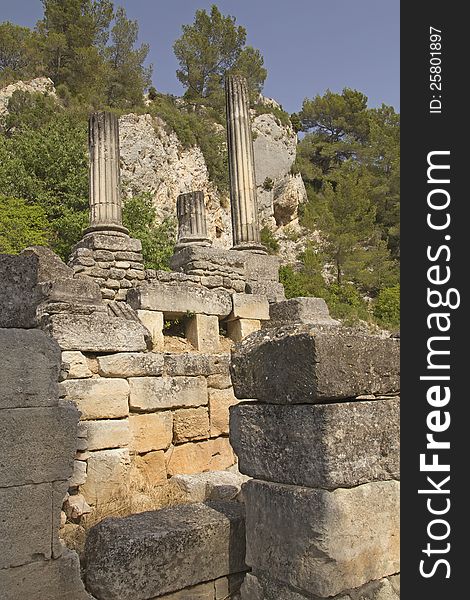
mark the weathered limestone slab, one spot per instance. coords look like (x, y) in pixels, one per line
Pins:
(203, 332)
(208, 259)
(152, 467)
(190, 544)
(99, 398)
(196, 457)
(177, 299)
(79, 473)
(262, 268)
(96, 333)
(272, 290)
(75, 365)
(239, 329)
(257, 586)
(37, 445)
(107, 433)
(131, 364)
(219, 403)
(249, 306)
(45, 580)
(219, 381)
(197, 364)
(107, 473)
(78, 290)
(154, 393)
(153, 321)
(151, 431)
(320, 446)
(212, 485)
(304, 364)
(113, 242)
(191, 424)
(30, 369)
(323, 542)
(300, 310)
(23, 538)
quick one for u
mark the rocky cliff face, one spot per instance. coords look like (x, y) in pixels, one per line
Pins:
(154, 161)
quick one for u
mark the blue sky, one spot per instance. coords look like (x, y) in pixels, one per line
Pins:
(308, 45)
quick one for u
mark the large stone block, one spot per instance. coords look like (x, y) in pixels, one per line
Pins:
(239, 329)
(190, 544)
(107, 475)
(155, 393)
(26, 526)
(97, 332)
(263, 268)
(177, 299)
(211, 485)
(131, 364)
(219, 403)
(304, 364)
(249, 306)
(98, 398)
(191, 424)
(30, 369)
(216, 258)
(153, 320)
(107, 433)
(75, 365)
(37, 445)
(110, 242)
(45, 580)
(300, 310)
(197, 457)
(319, 541)
(152, 468)
(197, 364)
(203, 332)
(273, 291)
(151, 431)
(320, 446)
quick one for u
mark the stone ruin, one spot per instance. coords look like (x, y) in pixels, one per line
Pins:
(302, 411)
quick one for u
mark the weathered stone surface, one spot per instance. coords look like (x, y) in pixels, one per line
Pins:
(342, 540)
(241, 328)
(202, 591)
(177, 299)
(319, 446)
(75, 506)
(77, 291)
(227, 587)
(219, 381)
(154, 393)
(191, 424)
(222, 260)
(300, 310)
(272, 290)
(79, 473)
(151, 431)
(213, 485)
(75, 365)
(249, 306)
(153, 321)
(203, 332)
(108, 433)
(152, 467)
(303, 364)
(131, 364)
(197, 364)
(98, 398)
(38, 445)
(219, 403)
(110, 242)
(27, 532)
(196, 457)
(30, 369)
(45, 580)
(96, 333)
(106, 476)
(190, 543)
(261, 268)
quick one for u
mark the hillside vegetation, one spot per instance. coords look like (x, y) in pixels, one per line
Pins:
(348, 156)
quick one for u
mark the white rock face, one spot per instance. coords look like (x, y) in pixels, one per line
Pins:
(154, 161)
(42, 85)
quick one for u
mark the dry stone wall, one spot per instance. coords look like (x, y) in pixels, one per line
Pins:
(322, 447)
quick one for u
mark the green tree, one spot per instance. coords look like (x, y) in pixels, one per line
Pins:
(128, 78)
(387, 307)
(74, 33)
(20, 57)
(22, 225)
(158, 241)
(212, 46)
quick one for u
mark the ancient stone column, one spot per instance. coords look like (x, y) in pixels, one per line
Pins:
(192, 225)
(104, 179)
(245, 218)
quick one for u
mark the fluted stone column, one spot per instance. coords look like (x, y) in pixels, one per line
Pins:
(104, 179)
(245, 218)
(192, 225)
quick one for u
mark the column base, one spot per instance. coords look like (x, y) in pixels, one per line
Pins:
(112, 229)
(254, 247)
(185, 242)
